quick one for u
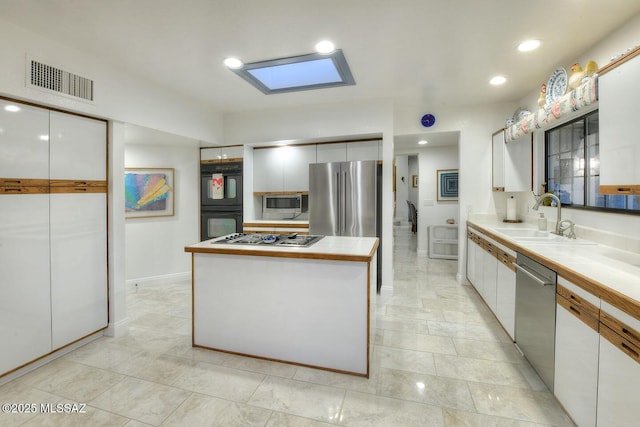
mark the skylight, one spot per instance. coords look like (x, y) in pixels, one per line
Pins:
(304, 72)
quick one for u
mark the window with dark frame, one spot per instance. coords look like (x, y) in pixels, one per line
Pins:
(572, 168)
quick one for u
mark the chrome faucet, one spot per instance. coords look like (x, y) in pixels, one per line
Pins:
(552, 196)
(570, 227)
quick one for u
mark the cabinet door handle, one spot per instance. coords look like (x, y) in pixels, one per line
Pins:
(630, 350)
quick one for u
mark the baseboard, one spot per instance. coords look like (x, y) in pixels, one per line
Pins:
(117, 329)
(164, 279)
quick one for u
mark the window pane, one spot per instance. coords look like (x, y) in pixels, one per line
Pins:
(554, 142)
(577, 193)
(633, 202)
(615, 201)
(553, 168)
(594, 198)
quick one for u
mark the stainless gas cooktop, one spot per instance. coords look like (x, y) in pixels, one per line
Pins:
(295, 240)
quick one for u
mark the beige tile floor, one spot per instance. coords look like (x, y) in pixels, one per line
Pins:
(440, 359)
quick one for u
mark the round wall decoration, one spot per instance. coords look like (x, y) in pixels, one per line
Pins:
(428, 120)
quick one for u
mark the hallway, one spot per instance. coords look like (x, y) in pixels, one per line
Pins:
(440, 359)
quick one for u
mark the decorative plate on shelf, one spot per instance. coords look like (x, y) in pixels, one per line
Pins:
(556, 85)
(520, 114)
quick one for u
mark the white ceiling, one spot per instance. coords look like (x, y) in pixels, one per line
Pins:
(433, 52)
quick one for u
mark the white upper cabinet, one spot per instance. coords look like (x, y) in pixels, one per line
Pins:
(363, 150)
(327, 153)
(222, 153)
(512, 168)
(296, 166)
(24, 141)
(287, 168)
(78, 148)
(268, 169)
(619, 91)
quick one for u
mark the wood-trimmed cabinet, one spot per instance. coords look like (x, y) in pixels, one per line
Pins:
(227, 153)
(491, 271)
(577, 352)
(53, 232)
(512, 162)
(618, 368)
(278, 169)
(619, 140)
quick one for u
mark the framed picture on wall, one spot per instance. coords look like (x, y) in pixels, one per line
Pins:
(414, 181)
(148, 192)
(447, 182)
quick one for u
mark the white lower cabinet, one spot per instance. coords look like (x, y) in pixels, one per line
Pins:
(489, 278)
(25, 310)
(506, 296)
(576, 362)
(619, 369)
(472, 247)
(618, 381)
(490, 270)
(78, 266)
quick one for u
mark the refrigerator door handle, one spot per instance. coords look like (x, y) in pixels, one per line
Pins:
(343, 206)
(337, 211)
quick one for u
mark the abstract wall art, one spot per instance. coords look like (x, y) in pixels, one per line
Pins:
(148, 192)
(447, 182)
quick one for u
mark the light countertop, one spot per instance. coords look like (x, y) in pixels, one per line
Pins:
(339, 248)
(606, 268)
(277, 221)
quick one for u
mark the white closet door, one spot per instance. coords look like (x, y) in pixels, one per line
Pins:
(78, 147)
(24, 141)
(78, 266)
(25, 310)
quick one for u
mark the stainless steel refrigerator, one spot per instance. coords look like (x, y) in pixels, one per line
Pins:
(345, 200)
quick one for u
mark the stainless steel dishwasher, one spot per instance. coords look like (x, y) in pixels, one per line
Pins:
(536, 316)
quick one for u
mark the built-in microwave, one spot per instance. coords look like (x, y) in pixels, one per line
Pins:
(282, 206)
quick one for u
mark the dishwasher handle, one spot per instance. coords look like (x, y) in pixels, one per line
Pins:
(533, 276)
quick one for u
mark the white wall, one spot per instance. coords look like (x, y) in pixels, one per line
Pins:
(414, 169)
(402, 188)
(155, 246)
(430, 210)
(374, 117)
(475, 124)
(118, 95)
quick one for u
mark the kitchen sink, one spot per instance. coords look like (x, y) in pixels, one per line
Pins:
(525, 232)
(533, 236)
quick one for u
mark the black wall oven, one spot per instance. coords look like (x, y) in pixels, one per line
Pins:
(221, 199)
(216, 223)
(221, 184)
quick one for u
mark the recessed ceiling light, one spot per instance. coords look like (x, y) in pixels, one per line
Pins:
(12, 108)
(233, 63)
(325, 46)
(423, 142)
(498, 80)
(528, 45)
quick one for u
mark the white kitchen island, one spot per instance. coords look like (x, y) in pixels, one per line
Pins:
(312, 306)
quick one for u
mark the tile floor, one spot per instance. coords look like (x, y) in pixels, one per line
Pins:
(440, 359)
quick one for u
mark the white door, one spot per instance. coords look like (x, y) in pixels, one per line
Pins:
(25, 310)
(78, 266)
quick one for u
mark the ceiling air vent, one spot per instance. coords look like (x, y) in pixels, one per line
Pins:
(55, 79)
